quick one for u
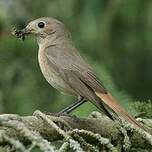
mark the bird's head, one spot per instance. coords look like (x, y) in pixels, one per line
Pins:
(44, 27)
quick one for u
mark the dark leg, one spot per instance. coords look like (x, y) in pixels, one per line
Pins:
(73, 106)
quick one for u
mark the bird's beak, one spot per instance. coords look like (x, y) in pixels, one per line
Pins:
(27, 31)
(22, 33)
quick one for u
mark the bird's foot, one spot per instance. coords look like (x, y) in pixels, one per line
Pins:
(58, 114)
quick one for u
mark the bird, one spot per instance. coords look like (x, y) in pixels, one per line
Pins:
(66, 70)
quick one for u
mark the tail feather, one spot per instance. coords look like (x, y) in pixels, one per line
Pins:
(116, 107)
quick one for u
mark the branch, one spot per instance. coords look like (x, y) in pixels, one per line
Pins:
(79, 134)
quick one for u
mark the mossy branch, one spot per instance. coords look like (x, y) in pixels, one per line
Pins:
(94, 133)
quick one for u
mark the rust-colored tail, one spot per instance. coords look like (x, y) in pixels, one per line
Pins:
(116, 107)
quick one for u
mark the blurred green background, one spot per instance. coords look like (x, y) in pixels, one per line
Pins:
(115, 36)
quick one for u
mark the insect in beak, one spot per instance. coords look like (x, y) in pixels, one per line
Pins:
(21, 33)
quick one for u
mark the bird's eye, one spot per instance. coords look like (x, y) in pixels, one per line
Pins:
(41, 24)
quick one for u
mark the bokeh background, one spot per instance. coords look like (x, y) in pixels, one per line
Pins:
(114, 35)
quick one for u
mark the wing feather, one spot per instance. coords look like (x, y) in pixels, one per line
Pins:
(70, 64)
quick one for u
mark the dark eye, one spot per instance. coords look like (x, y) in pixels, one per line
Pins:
(41, 24)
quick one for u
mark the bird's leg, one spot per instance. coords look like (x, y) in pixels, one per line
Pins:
(73, 106)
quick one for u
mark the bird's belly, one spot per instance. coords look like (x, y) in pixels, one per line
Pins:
(53, 77)
(57, 82)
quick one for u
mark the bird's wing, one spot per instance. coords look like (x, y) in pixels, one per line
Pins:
(73, 69)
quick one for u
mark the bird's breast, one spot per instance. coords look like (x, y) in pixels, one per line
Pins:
(52, 77)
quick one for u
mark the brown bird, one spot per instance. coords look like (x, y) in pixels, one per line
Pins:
(65, 69)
